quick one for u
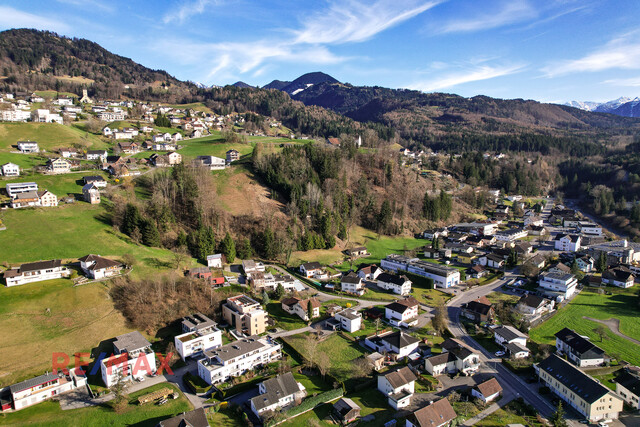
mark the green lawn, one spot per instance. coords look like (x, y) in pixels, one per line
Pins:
(50, 414)
(49, 136)
(342, 351)
(69, 232)
(622, 304)
(497, 297)
(283, 319)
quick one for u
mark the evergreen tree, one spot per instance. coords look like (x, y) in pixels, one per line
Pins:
(150, 234)
(131, 220)
(385, 216)
(265, 297)
(279, 293)
(310, 310)
(206, 242)
(228, 248)
(162, 121)
(601, 263)
(445, 205)
(244, 250)
(557, 418)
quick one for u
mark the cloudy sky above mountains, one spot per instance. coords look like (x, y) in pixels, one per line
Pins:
(549, 50)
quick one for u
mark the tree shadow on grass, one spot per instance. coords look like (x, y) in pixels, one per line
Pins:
(157, 263)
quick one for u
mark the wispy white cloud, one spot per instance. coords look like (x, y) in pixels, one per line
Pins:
(620, 53)
(187, 10)
(631, 82)
(356, 21)
(14, 18)
(509, 12)
(479, 73)
(343, 22)
(229, 60)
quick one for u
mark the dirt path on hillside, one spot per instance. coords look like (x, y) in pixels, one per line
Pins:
(614, 325)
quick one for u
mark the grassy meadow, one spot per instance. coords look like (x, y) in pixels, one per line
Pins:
(49, 413)
(622, 305)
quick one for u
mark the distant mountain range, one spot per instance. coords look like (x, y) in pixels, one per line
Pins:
(622, 106)
(301, 83)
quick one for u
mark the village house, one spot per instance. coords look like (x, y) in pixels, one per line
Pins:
(456, 356)
(562, 285)
(45, 116)
(212, 162)
(300, 307)
(96, 180)
(403, 312)
(437, 414)
(245, 315)
(165, 160)
(492, 261)
(533, 305)
(628, 387)
(280, 392)
(97, 267)
(164, 146)
(369, 272)
(513, 341)
(589, 228)
(14, 189)
(487, 391)
(348, 320)
(127, 147)
(58, 165)
(311, 269)
(233, 155)
(511, 234)
(357, 252)
(68, 152)
(35, 390)
(99, 155)
(618, 276)
(567, 242)
(250, 266)
(479, 310)
(400, 285)
(587, 396)
(10, 169)
(346, 410)
(111, 116)
(435, 233)
(35, 272)
(133, 359)
(586, 263)
(195, 418)
(578, 349)
(560, 268)
(199, 333)
(396, 344)
(352, 284)
(399, 386)
(214, 261)
(238, 357)
(91, 194)
(28, 147)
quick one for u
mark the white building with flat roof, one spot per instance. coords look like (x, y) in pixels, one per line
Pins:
(238, 357)
(199, 333)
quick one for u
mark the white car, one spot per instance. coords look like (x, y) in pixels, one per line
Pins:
(499, 353)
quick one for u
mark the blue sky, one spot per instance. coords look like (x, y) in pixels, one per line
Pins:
(548, 50)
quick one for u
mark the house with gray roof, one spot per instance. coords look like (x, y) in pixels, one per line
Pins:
(282, 391)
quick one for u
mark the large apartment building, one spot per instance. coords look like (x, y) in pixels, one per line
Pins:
(578, 349)
(584, 394)
(245, 315)
(36, 272)
(442, 275)
(236, 358)
(199, 333)
(132, 359)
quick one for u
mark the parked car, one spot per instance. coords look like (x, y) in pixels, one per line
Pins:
(499, 353)
(162, 401)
